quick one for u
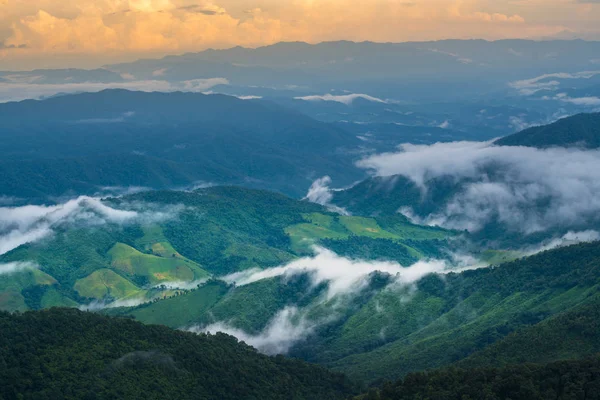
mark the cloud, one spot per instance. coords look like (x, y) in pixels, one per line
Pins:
(283, 331)
(445, 125)
(181, 284)
(27, 224)
(501, 183)
(343, 275)
(14, 267)
(250, 97)
(591, 101)
(122, 118)
(121, 28)
(347, 99)
(531, 86)
(479, 16)
(567, 239)
(520, 122)
(17, 91)
(20, 225)
(320, 193)
(98, 305)
(159, 72)
(345, 278)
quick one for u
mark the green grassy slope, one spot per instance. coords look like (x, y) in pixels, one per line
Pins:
(216, 231)
(18, 290)
(105, 283)
(377, 331)
(249, 308)
(154, 269)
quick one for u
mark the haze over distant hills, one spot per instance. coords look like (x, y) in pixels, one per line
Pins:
(378, 209)
(517, 188)
(85, 142)
(581, 130)
(367, 63)
(410, 71)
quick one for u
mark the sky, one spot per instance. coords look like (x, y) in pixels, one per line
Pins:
(90, 33)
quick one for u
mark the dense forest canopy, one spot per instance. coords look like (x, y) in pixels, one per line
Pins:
(69, 354)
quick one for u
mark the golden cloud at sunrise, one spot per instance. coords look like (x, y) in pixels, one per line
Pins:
(113, 27)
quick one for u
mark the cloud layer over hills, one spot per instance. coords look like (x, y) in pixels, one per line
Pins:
(527, 189)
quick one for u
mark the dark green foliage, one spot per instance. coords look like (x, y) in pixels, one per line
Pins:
(65, 353)
(564, 380)
(370, 249)
(458, 316)
(386, 195)
(220, 217)
(561, 268)
(572, 334)
(582, 130)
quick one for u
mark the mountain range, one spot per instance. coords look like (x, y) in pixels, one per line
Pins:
(331, 221)
(433, 200)
(163, 140)
(582, 130)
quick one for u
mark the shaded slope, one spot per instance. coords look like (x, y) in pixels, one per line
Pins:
(380, 333)
(560, 380)
(176, 138)
(582, 130)
(70, 354)
(569, 335)
(448, 320)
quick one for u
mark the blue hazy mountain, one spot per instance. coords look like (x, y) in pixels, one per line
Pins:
(582, 130)
(79, 143)
(461, 67)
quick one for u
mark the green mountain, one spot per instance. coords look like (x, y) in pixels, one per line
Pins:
(69, 354)
(453, 318)
(392, 195)
(372, 325)
(581, 130)
(516, 312)
(389, 194)
(560, 380)
(82, 143)
(469, 199)
(210, 232)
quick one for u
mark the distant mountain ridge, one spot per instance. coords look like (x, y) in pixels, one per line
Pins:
(172, 139)
(582, 130)
(389, 195)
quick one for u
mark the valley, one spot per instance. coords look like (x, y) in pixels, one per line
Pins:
(294, 220)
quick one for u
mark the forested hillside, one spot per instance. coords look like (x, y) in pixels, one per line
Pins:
(69, 354)
(563, 380)
(512, 313)
(210, 232)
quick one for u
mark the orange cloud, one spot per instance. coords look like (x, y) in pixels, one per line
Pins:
(38, 27)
